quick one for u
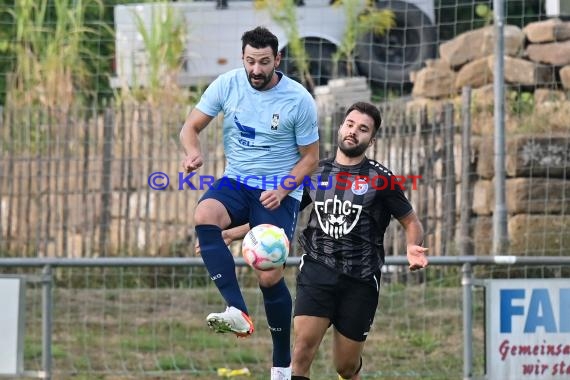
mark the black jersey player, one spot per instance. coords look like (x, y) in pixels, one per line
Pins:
(353, 199)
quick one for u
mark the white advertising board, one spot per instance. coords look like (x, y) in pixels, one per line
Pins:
(528, 329)
(11, 325)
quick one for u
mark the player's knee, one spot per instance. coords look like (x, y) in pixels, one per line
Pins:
(200, 219)
(303, 351)
(269, 278)
(345, 374)
(208, 212)
(202, 216)
(347, 370)
(303, 354)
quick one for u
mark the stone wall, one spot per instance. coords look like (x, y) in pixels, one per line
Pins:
(537, 195)
(537, 62)
(538, 55)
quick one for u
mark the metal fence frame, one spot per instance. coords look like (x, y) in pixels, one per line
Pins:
(467, 282)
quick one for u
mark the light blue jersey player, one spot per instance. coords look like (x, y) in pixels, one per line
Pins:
(262, 129)
(271, 144)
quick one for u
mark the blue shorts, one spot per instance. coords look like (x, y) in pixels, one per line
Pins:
(243, 206)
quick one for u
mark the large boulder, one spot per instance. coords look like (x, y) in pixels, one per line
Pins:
(537, 235)
(475, 74)
(565, 77)
(538, 156)
(550, 30)
(554, 53)
(479, 43)
(526, 73)
(434, 83)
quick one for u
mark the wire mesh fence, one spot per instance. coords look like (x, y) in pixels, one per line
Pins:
(75, 173)
(75, 178)
(144, 318)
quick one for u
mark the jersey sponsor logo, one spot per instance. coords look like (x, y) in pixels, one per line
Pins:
(275, 122)
(359, 186)
(245, 131)
(336, 217)
(247, 136)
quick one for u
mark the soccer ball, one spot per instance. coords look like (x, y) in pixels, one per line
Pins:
(265, 247)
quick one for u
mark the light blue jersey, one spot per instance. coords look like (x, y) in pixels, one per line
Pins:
(262, 129)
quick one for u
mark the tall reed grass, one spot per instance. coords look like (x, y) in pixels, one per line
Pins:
(51, 57)
(164, 38)
(284, 13)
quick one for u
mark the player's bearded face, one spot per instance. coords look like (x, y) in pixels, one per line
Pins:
(355, 134)
(259, 65)
(351, 146)
(259, 80)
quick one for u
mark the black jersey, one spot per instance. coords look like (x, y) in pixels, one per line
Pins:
(352, 207)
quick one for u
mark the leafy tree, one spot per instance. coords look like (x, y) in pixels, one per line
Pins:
(284, 13)
(360, 21)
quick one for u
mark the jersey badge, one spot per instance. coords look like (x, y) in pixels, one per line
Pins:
(275, 122)
(359, 187)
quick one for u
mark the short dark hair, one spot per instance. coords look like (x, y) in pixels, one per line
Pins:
(368, 109)
(260, 38)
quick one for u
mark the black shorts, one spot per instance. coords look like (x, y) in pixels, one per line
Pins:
(350, 304)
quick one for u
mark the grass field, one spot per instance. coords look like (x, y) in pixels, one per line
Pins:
(114, 332)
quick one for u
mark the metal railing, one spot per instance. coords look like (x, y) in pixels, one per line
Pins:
(468, 281)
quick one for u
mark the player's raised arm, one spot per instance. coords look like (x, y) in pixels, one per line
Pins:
(414, 239)
(196, 121)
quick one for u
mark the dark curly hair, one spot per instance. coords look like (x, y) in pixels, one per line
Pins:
(368, 109)
(260, 38)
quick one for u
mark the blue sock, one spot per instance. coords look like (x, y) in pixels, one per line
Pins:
(278, 306)
(220, 264)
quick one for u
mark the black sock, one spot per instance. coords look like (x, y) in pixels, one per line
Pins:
(295, 377)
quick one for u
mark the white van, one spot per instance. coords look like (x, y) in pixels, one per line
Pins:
(215, 28)
(558, 8)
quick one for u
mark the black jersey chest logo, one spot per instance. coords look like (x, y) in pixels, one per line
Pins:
(336, 217)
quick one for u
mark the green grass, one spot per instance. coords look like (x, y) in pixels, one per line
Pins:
(159, 333)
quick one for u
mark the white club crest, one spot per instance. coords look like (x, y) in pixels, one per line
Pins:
(337, 218)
